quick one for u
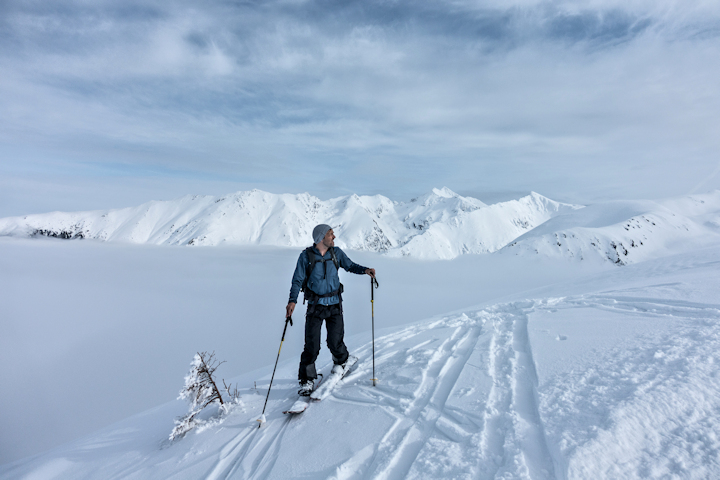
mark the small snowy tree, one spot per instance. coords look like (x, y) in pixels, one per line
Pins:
(200, 389)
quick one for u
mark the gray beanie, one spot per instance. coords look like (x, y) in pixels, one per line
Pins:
(319, 232)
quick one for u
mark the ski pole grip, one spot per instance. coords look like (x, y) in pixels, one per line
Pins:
(289, 319)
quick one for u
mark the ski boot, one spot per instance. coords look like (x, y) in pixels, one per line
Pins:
(306, 388)
(342, 368)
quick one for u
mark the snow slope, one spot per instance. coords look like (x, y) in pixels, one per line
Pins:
(626, 231)
(107, 310)
(608, 376)
(439, 225)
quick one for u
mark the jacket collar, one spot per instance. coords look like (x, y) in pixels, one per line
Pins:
(315, 249)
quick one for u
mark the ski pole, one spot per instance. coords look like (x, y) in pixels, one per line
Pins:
(373, 283)
(262, 417)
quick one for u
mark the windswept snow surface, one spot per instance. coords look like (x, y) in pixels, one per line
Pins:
(614, 375)
(439, 225)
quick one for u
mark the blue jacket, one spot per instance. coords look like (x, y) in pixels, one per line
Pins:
(324, 277)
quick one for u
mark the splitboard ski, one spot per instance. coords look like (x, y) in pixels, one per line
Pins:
(302, 403)
(337, 374)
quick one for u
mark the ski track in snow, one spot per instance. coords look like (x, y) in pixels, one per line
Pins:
(508, 438)
(232, 458)
(465, 400)
(401, 445)
(513, 441)
(517, 432)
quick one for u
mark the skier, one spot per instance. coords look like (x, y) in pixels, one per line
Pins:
(316, 274)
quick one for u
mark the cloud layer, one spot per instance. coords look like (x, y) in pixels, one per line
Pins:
(578, 100)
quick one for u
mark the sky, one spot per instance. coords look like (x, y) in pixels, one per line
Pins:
(110, 103)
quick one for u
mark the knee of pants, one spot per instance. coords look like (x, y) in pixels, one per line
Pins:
(336, 344)
(313, 332)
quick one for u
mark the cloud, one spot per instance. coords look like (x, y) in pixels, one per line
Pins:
(579, 100)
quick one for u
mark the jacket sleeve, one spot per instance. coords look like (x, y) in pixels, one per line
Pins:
(348, 264)
(298, 277)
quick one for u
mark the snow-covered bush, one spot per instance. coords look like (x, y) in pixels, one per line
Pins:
(201, 391)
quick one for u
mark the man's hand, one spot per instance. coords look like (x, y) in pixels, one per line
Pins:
(370, 271)
(289, 309)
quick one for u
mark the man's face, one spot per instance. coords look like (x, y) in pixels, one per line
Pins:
(329, 240)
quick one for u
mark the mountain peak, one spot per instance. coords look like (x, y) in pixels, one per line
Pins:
(444, 192)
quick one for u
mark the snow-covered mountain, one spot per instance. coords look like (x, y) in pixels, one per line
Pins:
(440, 225)
(625, 231)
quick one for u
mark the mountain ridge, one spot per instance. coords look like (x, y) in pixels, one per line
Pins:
(438, 225)
(627, 231)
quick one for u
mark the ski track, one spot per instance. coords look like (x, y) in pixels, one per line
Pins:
(466, 401)
(508, 435)
(250, 454)
(504, 436)
(402, 443)
(512, 441)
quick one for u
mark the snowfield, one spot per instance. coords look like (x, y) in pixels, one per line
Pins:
(546, 367)
(618, 382)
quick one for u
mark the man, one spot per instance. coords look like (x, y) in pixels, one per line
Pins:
(323, 292)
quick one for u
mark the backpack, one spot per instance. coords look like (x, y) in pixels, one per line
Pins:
(313, 259)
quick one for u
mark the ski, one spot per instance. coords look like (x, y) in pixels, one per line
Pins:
(337, 374)
(298, 407)
(302, 403)
(323, 388)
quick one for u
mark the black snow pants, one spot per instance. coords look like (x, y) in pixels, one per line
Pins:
(333, 317)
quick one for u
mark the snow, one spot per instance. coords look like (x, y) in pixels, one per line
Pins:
(439, 225)
(489, 366)
(626, 231)
(128, 318)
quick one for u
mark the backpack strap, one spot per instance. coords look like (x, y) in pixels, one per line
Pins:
(334, 259)
(312, 260)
